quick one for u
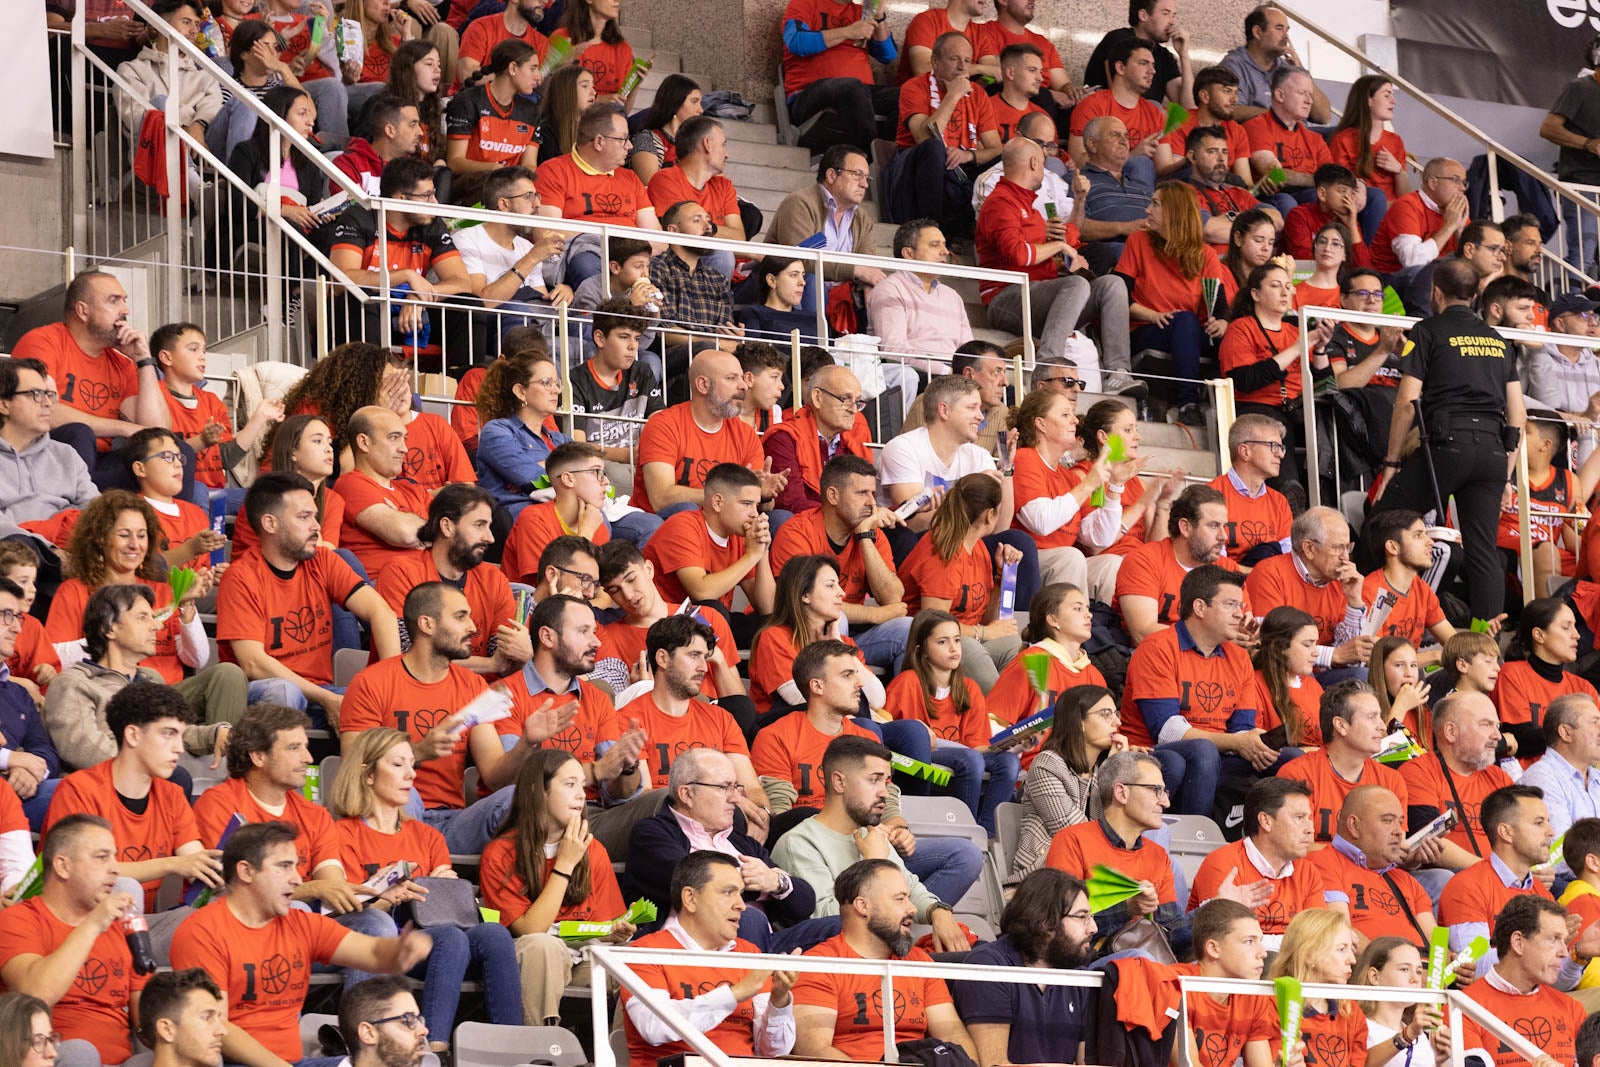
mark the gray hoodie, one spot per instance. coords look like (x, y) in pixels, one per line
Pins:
(45, 478)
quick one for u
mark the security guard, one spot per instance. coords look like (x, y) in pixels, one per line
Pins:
(1466, 375)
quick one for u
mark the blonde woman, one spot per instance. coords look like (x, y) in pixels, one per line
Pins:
(1319, 946)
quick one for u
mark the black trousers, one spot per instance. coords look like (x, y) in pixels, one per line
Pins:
(861, 112)
(1469, 460)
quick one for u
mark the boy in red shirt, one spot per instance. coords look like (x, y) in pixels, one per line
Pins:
(157, 468)
(199, 415)
(1412, 607)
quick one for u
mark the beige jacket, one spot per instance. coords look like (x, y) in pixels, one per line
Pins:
(800, 216)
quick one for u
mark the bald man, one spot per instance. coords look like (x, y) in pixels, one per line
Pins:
(1317, 577)
(383, 510)
(1424, 225)
(1363, 865)
(681, 443)
(1014, 235)
(827, 426)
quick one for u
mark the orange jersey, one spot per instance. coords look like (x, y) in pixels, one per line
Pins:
(506, 892)
(1152, 569)
(1142, 119)
(594, 724)
(1254, 520)
(1247, 343)
(1160, 284)
(1329, 788)
(365, 851)
(1345, 147)
(1079, 848)
(464, 416)
(1331, 1040)
(966, 580)
(671, 436)
(95, 1007)
(622, 640)
(482, 34)
(435, 456)
(685, 540)
(971, 119)
(1238, 140)
(93, 383)
(360, 492)
(535, 527)
(485, 587)
(32, 649)
(671, 186)
(263, 971)
(928, 26)
(1477, 894)
(1413, 614)
(807, 535)
(190, 417)
(1168, 676)
(1276, 582)
(1014, 698)
(1006, 117)
(1547, 1017)
(732, 1035)
(166, 824)
(858, 998)
(1034, 479)
(178, 528)
(245, 538)
(1521, 693)
(1375, 910)
(288, 614)
(1426, 787)
(66, 624)
(904, 699)
(1291, 894)
(317, 844)
(705, 726)
(1221, 1031)
(617, 197)
(386, 693)
(1550, 497)
(791, 750)
(1307, 698)
(1301, 148)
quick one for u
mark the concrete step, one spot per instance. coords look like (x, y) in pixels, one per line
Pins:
(762, 115)
(638, 36)
(753, 132)
(781, 157)
(1196, 463)
(747, 176)
(665, 63)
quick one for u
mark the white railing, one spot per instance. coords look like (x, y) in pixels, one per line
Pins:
(617, 963)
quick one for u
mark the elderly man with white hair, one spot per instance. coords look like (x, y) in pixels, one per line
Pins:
(1013, 234)
(700, 814)
(1317, 577)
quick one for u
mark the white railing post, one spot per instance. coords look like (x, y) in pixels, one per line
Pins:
(177, 192)
(1308, 409)
(600, 1014)
(386, 284)
(272, 241)
(1524, 540)
(81, 138)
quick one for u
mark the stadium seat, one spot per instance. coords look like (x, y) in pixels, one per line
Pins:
(310, 1023)
(328, 771)
(487, 1045)
(1007, 833)
(619, 1047)
(347, 663)
(943, 816)
(1194, 837)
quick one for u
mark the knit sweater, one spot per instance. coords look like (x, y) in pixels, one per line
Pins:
(817, 854)
(75, 715)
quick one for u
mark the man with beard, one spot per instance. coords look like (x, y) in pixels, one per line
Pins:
(849, 828)
(1216, 94)
(1131, 65)
(1411, 607)
(694, 294)
(420, 694)
(1267, 49)
(1223, 194)
(1352, 728)
(1459, 773)
(396, 130)
(379, 1018)
(520, 20)
(1150, 576)
(183, 1019)
(514, 262)
(1154, 23)
(681, 444)
(1228, 944)
(700, 175)
(1047, 925)
(849, 525)
(1524, 258)
(456, 537)
(840, 1016)
(742, 1012)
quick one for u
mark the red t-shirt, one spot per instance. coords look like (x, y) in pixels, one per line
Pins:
(1007, 119)
(435, 456)
(594, 724)
(858, 998)
(608, 63)
(245, 538)
(847, 60)
(972, 118)
(994, 37)
(705, 726)
(360, 492)
(672, 186)
(365, 851)
(263, 971)
(1248, 342)
(1253, 520)
(791, 750)
(807, 535)
(1427, 788)
(482, 34)
(684, 982)
(1034, 479)
(1276, 582)
(1520, 694)
(1332, 1040)
(672, 436)
(685, 540)
(1142, 119)
(178, 528)
(317, 844)
(387, 694)
(485, 587)
(1159, 283)
(1307, 700)
(166, 824)
(1345, 147)
(966, 580)
(1079, 848)
(1553, 495)
(617, 197)
(1238, 140)
(927, 27)
(1301, 148)
(1547, 1017)
(95, 1006)
(1221, 1031)
(1374, 909)
(1208, 691)
(1407, 215)
(288, 614)
(904, 699)
(1291, 894)
(1414, 613)
(296, 32)
(95, 384)
(1152, 569)
(1477, 894)
(772, 663)
(506, 892)
(66, 624)
(32, 649)
(622, 640)
(1329, 788)
(189, 420)
(536, 526)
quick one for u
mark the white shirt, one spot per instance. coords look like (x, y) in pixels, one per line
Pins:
(910, 460)
(1409, 248)
(480, 254)
(1055, 190)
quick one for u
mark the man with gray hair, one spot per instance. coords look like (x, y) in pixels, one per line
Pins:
(1259, 518)
(829, 424)
(1317, 577)
(1118, 196)
(1566, 772)
(1013, 234)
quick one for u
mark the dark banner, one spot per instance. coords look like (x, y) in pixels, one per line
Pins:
(1501, 50)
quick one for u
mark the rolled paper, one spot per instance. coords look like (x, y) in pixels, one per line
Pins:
(635, 75)
(1011, 736)
(1008, 592)
(491, 705)
(1037, 664)
(560, 51)
(1291, 1006)
(1438, 955)
(32, 882)
(1471, 954)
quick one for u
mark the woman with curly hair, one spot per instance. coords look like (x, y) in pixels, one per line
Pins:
(1288, 695)
(348, 377)
(545, 867)
(517, 404)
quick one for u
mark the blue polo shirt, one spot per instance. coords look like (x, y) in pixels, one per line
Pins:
(1047, 1024)
(1114, 199)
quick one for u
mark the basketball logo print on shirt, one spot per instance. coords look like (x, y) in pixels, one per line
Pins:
(92, 396)
(92, 977)
(899, 1004)
(597, 66)
(297, 626)
(1325, 1049)
(607, 203)
(275, 972)
(415, 458)
(569, 740)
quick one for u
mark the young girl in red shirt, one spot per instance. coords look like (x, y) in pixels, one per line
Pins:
(1288, 695)
(934, 690)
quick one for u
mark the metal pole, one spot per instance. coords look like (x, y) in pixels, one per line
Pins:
(563, 367)
(385, 321)
(273, 240)
(600, 1014)
(177, 182)
(1497, 210)
(1524, 541)
(822, 299)
(1312, 475)
(79, 156)
(794, 359)
(890, 1053)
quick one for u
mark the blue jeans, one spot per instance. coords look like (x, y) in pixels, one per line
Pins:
(1184, 340)
(948, 866)
(369, 921)
(637, 527)
(346, 630)
(467, 830)
(38, 805)
(282, 691)
(885, 643)
(1192, 770)
(968, 766)
(490, 946)
(754, 928)
(1581, 236)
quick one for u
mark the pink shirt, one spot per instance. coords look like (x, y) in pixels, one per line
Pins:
(910, 319)
(699, 840)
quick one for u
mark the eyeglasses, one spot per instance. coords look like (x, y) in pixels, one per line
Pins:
(612, 137)
(531, 195)
(411, 1020)
(38, 1041)
(546, 383)
(585, 582)
(728, 789)
(169, 457)
(1081, 916)
(858, 175)
(1277, 448)
(429, 197)
(1158, 790)
(598, 472)
(1453, 179)
(1494, 250)
(1366, 294)
(1328, 242)
(38, 396)
(1337, 550)
(1066, 382)
(848, 401)
(9, 618)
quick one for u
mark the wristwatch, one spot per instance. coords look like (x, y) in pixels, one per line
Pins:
(869, 535)
(148, 361)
